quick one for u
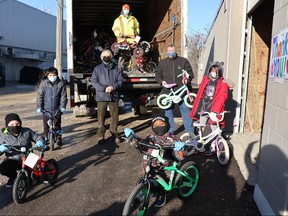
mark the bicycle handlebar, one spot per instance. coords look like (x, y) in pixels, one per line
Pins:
(49, 114)
(217, 114)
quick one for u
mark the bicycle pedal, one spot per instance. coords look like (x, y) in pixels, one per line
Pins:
(45, 182)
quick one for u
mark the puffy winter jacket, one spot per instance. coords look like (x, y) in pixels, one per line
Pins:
(103, 77)
(52, 96)
(25, 138)
(168, 70)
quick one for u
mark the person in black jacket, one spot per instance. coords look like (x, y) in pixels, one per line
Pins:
(52, 97)
(107, 79)
(167, 72)
(13, 134)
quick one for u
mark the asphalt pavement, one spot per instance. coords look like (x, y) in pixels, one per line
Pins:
(96, 179)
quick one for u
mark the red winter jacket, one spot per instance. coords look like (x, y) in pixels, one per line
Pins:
(220, 97)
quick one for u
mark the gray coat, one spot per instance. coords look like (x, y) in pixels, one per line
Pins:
(51, 96)
(103, 77)
(25, 138)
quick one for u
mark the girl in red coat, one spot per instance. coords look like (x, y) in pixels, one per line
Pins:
(211, 97)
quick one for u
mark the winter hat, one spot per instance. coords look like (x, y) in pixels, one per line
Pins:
(164, 129)
(10, 117)
(125, 7)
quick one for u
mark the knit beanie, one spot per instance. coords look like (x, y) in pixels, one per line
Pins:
(10, 117)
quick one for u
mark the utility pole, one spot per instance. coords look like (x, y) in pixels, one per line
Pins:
(59, 30)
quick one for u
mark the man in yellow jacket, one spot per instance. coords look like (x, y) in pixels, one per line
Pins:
(126, 26)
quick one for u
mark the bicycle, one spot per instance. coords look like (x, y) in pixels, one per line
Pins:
(198, 142)
(34, 169)
(164, 101)
(184, 178)
(143, 65)
(53, 135)
(124, 46)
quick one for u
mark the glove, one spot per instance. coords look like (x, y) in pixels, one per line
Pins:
(3, 148)
(179, 146)
(39, 110)
(40, 144)
(63, 110)
(128, 132)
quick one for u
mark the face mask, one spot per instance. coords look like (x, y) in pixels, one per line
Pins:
(160, 130)
(171, 54)
(52, 79)
(213, 74)
(14, 130)
(107, 59)
(126, 12)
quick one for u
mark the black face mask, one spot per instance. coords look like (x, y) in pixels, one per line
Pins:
(14, 130)
(160, 130)
(107, 59)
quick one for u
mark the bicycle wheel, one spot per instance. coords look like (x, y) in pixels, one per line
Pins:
(137, 202)
(127, 67)
(138, 52)
(163, 102)
(53, 172)
(51, 139)
(150, 67)
(223, 151)
(20, 188)
(185, 186)
(186, 137)
(189, 103)
(115, 47)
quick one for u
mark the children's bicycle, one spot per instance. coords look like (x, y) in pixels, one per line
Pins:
(183, 178)
(34, 170)
(164, 101)
(143, 65)
(53, 135)
(197, 143)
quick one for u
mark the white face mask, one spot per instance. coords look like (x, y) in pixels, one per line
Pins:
(126, 12)
(213, 74)
(52, 79)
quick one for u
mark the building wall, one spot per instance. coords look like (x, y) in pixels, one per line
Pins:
(271, 191)
(31, 34)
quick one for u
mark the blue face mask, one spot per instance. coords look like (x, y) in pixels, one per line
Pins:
(52, 79)
(171, 54)
(126, 12)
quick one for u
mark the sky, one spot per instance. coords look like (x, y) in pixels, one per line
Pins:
(201, 14)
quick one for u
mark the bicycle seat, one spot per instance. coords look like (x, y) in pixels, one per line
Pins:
(170, 85)
(197, 124)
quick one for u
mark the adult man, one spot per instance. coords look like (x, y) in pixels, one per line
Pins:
(126, 26)
(167, 72)
(15, 135)
(107, 79)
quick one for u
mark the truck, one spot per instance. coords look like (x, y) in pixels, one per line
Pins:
(161, 23)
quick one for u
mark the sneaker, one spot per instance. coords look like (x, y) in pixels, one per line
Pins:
(160, 200)
(209, 152)
(10, 182)
(59, 141)
(101, 139)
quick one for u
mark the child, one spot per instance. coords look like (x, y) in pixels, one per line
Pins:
(211, 97)
(52, 97)
(160, 127)
(15, 135)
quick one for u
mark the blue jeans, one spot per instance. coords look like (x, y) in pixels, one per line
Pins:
(187, 121)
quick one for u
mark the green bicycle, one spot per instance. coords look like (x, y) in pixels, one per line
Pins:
(183, 178)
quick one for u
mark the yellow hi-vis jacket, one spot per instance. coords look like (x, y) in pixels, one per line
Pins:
(127, 26)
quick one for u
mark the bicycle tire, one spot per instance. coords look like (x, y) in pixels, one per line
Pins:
(52, 140)
(222, 150)
(51, 178)
(127, 67)
(189, 150)
(187, 101)
(115, 47)
(136, 201)
(161, 104)
(186, 188)
(20, 188)
(138, 52)
(150, 67)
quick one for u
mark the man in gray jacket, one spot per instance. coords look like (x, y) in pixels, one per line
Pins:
(107, 79)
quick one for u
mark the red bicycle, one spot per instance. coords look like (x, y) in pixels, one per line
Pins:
(34, 170)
